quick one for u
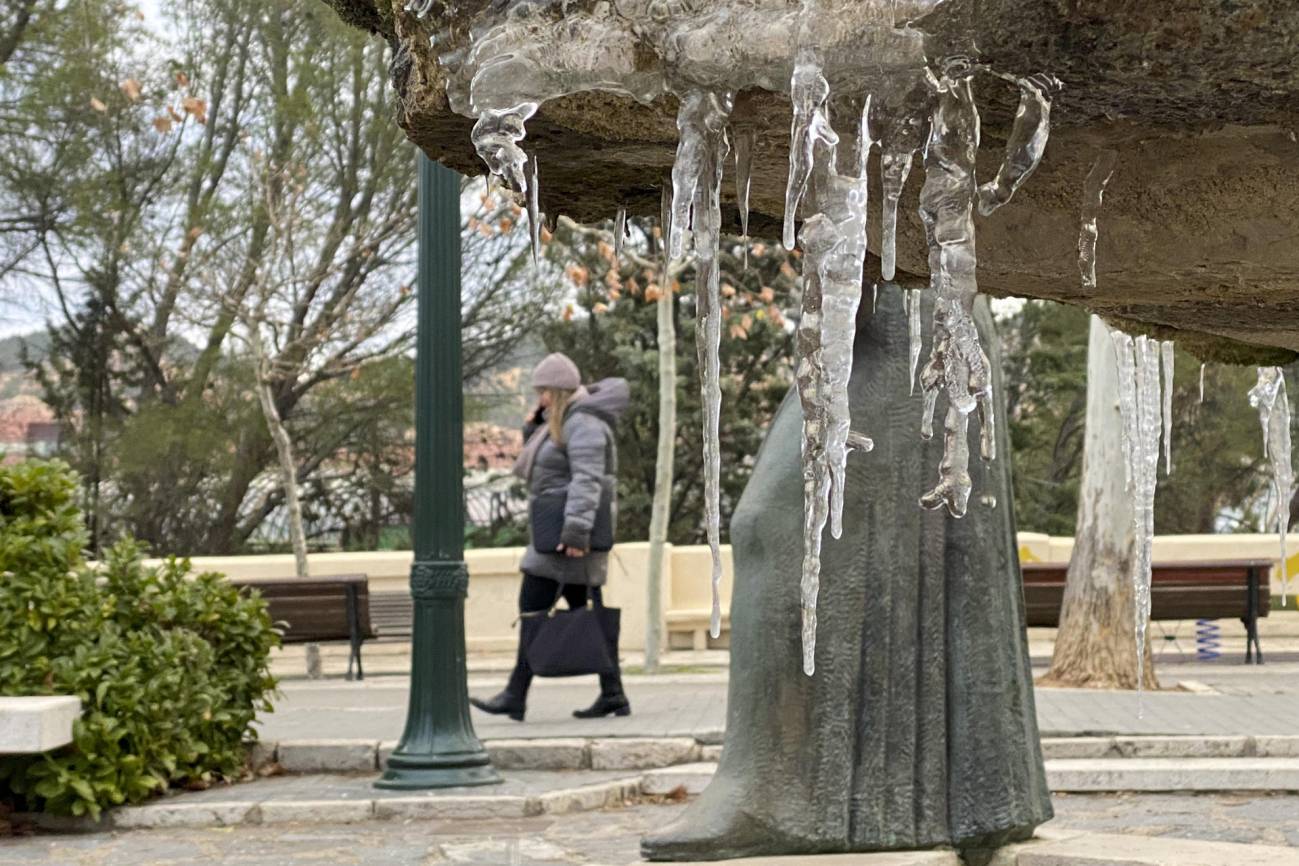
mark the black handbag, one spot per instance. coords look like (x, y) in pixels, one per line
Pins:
(571, 643)
(546, 517)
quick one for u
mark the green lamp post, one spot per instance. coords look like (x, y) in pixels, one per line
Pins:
(438, 748)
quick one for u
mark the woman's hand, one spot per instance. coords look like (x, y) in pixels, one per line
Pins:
(575, 553)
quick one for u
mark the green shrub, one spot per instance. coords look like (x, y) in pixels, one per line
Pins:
(170, 668)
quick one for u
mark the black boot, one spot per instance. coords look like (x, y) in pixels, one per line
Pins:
(606, 705)
(504, 704)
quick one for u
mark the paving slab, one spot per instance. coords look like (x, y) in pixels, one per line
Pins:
(1115, 850)
(1251, 701)
(608, 838)
(887, 858)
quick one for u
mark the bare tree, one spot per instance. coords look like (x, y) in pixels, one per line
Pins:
(1094, 646)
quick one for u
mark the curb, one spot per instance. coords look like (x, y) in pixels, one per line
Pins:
(1064, 775)
(234, 813)
(597, 753)
(651, 753)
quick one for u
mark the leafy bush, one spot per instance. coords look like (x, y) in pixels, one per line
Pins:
(170, 668)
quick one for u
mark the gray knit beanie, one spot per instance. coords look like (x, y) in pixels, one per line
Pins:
(557, 370)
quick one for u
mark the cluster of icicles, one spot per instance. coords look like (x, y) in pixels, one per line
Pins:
(1147, 413)
(901, 103)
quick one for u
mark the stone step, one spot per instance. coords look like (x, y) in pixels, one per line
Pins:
(1172, 774)
(647, 753)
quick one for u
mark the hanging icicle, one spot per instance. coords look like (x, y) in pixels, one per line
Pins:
(1093, 193)
(912, 300)
(743, 176)
(1268, 396)
(1141, 407)
(1202, 383)
(1166, 356)
(696, 192)
(619, 232)
(957, 364)
(534, 215)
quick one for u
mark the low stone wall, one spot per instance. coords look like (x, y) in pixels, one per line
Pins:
(686, 594)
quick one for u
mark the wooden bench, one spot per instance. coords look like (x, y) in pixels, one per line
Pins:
(1236, 589)
(393, 613)
(318, 609)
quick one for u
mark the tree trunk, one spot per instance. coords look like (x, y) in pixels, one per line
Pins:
(660, 515)
(283, 452)
(1095, 646)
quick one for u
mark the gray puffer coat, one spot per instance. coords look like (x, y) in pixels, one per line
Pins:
(585, 464)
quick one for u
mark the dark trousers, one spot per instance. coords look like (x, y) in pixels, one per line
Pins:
(539, 593)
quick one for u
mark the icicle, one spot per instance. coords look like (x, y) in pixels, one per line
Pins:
(957, 364)
(496, 137)
(1145, 467)
(901, 117)
(866, 140)
(1142, 410)
(619, 232)
(743, 172)
(1123, 354)
(913, 336)
(1201, 383)
(1166, 356)
(534, 215)
(1026, 144)
(1093, 192)
(810, 127)
(696, 190)
(833, 239)
(1269, 397)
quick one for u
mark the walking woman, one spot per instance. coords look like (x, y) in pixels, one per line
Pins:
(569, 455)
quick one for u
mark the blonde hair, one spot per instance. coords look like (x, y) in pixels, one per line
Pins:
(559, 400)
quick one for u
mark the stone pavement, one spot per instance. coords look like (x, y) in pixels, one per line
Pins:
(608, 838)
(1226, 699)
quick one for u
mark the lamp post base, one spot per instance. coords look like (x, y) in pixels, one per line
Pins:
(416, 772)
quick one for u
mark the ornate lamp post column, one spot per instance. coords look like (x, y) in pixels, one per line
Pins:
(438, 748)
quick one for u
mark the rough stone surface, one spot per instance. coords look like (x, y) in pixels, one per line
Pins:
(588, 798)
(316, 811)
(1099, 850)
(1181, 747)
(640, 753)
(1276, 747)
(185, 815)
(692, 778)
(1198, 100)
(1077, 747)
(327, 756)
(560, 754)
(1175, 774)
(30, 725)
(454, 808)
(918, 729)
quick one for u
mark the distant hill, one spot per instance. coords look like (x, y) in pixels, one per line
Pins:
(38, 346)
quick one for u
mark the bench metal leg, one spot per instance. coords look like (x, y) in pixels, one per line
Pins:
(1253, 652)
(354, 626)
